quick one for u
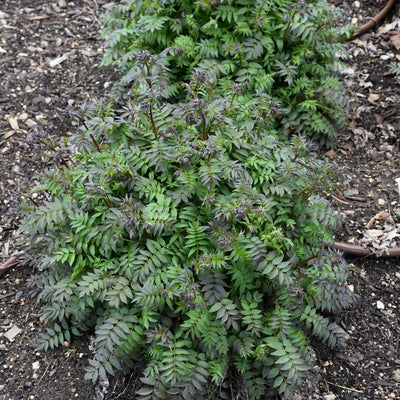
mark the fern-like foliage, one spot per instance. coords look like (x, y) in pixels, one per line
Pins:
(192, 245)
(285, 48)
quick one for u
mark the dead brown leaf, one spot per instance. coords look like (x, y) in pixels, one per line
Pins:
(395, 39)
(381, 215)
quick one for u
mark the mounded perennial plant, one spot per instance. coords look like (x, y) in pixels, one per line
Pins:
(285, 48)
(179, 227)
(188, 239)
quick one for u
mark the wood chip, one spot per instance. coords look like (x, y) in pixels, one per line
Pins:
(30, 122)
(13, 123)
(38, 17)
(349, 213)
(8, 134)
(11, 333)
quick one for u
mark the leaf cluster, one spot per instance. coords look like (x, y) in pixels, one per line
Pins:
(190, 240)
(285, 48)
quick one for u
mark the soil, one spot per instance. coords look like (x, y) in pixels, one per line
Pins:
(37, 83)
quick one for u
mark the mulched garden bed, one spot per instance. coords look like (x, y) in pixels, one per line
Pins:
(50, 53)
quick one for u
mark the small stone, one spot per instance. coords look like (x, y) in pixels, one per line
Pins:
(16, 169)
(396, 375)
(392, 395)
(351, 288)
(2, 387)
(58, 60)
(27, 384)
(329, 396)
(66, 344)
(357, 4)
(373, 97)
(47, 100)
(381, 202)
(326, 364)
(330, 153)
(380, 305)
(36, 365)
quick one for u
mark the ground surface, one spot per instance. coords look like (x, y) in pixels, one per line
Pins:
(33, 93)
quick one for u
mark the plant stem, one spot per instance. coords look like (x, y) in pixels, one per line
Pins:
(153, 124)
(335, 384)
(95, 143)
(203, 118)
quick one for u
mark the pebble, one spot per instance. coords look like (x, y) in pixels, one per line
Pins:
(380, 305)
(58, 60)
(373, 97)
(16, 169)
(357, 4)
(36, 365)
(329, 396)
(27, 384)
(326, 364)
(396, 375)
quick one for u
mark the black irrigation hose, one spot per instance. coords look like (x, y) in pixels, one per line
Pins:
(365, 252)
(374, 20)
